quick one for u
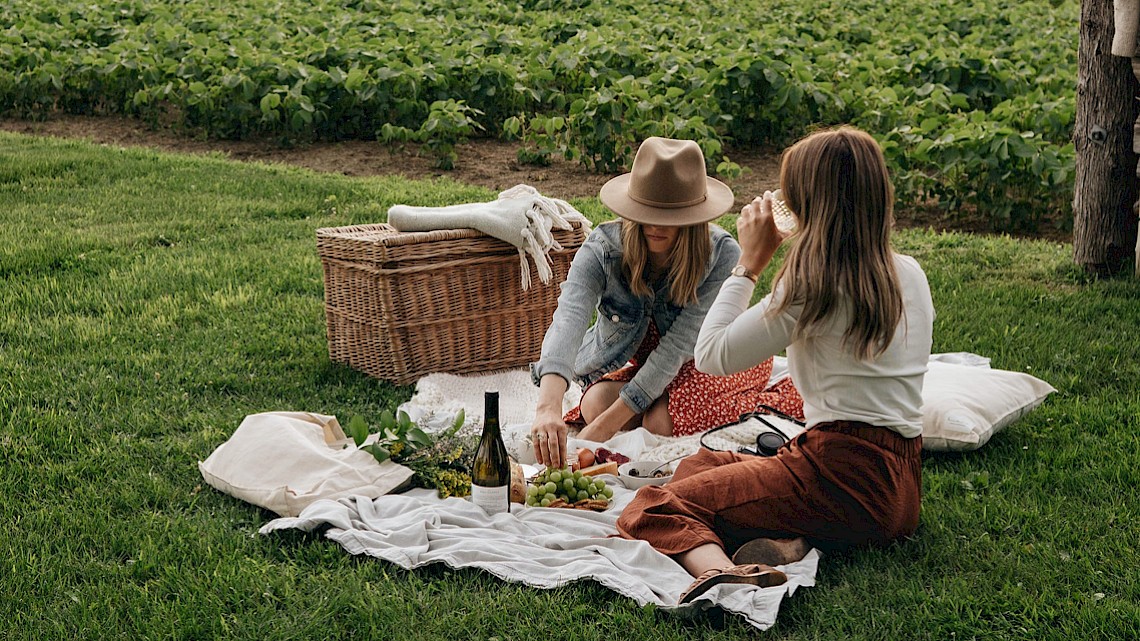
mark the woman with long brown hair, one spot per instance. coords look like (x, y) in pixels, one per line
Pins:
(648, 279)
(856, 320)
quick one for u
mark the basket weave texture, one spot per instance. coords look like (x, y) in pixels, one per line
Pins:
(403, 304)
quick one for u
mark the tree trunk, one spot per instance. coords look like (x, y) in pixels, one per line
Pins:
(1136, 148)
(1104, 225)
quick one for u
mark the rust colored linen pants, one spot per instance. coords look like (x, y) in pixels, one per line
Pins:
(837, 484)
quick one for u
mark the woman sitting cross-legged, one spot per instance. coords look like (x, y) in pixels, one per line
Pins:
(648, 279)
(856, 319)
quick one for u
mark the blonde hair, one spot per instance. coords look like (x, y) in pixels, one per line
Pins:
(688, 261)
(837, 184)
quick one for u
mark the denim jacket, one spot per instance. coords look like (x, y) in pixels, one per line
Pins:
(582, 353)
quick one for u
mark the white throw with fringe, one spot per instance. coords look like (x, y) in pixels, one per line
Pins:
(520, 216)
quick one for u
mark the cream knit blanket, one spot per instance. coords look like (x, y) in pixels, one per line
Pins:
(520, 216)
(439, 397)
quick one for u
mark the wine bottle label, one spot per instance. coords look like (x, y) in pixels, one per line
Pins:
(493, 500)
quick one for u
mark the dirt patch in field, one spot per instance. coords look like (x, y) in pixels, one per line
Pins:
(488, 163)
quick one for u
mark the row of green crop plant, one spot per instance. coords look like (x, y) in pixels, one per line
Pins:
(973, 104)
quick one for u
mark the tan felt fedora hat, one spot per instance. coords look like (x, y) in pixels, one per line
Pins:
(667, 186)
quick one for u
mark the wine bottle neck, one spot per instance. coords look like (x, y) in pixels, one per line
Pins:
(491, 429)
(491, 413)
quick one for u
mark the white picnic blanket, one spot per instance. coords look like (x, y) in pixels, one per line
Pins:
(541, 547)
(439, 397)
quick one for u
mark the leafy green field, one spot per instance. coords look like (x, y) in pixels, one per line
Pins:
(152, 301)
(973, 102)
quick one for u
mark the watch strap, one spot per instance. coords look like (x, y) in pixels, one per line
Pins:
(741, 270)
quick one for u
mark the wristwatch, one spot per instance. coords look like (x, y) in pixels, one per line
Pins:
(741, 270)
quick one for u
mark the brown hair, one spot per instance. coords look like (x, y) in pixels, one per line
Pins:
(688, 261)
(837, 183)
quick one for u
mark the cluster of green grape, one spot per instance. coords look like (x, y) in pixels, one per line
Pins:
(552, 483)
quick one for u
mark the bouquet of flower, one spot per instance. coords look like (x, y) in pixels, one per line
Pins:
(437, 461)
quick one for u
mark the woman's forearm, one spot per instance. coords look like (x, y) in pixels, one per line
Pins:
(609, 422)
(734, 336)
(551, 389)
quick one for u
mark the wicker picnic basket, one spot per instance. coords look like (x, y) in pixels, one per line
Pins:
(403, 304)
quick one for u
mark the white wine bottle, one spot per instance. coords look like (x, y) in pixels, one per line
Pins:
(491, 471)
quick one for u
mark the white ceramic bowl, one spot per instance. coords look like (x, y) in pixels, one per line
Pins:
(529, 471)
(632, 481)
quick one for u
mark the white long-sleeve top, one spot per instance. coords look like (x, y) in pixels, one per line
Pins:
(835, 385)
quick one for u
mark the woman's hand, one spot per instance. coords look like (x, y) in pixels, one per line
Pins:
(757, 232)
(549, 435)
(548, 431)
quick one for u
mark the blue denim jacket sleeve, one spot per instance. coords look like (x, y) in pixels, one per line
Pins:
(677, 343)
(581, 292)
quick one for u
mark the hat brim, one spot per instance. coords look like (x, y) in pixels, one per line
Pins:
(615, 196)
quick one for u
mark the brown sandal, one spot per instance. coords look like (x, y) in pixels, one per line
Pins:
(751, 574)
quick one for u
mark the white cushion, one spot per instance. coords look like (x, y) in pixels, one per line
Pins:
(963, 406)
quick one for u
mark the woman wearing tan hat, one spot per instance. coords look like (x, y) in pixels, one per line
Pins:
(649, 280)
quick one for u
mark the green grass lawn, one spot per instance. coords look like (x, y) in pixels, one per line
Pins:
(149, 302)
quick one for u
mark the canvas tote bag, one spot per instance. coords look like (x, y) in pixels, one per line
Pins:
(283, 461)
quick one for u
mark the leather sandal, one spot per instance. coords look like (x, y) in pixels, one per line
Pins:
(750, 574)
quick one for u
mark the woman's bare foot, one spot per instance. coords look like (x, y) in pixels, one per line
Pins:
(772, 552)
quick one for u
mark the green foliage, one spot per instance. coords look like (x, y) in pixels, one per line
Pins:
(438, 462)
(973, 102)
(604, 127)
(968, 162)
(544, 136)
(448, 123)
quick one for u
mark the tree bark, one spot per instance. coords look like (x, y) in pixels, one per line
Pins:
(1136, 148)
(1104, 224)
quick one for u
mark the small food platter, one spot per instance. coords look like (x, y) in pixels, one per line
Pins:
(529, 471)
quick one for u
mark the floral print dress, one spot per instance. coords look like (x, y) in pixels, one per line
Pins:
(699, 401)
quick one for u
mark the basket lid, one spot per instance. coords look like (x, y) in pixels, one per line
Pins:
(383, 243)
